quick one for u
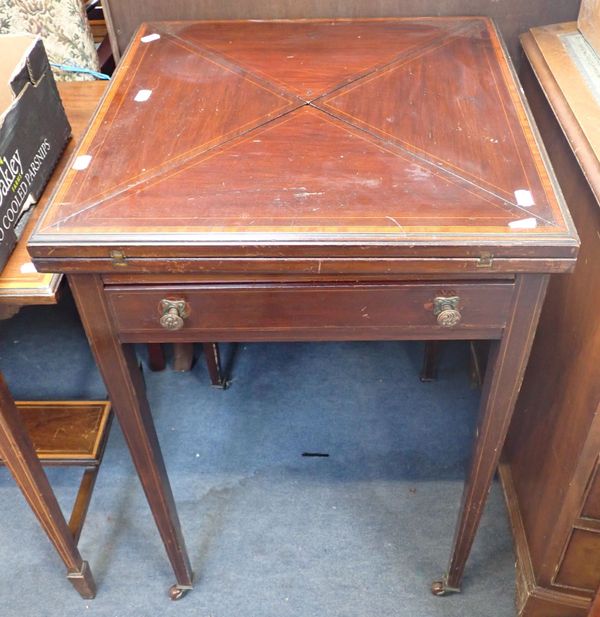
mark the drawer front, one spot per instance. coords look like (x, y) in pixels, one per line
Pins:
(580, 566)
(311, 312)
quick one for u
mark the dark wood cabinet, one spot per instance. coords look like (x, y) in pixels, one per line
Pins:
(550, 472)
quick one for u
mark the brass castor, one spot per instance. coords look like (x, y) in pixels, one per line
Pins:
(176, 592)
(440, 588)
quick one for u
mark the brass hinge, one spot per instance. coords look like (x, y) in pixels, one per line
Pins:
(485, 260)
(118, 258)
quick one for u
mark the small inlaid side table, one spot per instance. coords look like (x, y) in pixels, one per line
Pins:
(20, 283)
(28, 431)
(302, 181)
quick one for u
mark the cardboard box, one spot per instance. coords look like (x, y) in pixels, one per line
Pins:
(33, 132)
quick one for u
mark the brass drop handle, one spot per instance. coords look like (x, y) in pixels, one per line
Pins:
(446, 311)
(173, 312)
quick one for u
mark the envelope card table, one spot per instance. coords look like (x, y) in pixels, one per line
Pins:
(309, 181)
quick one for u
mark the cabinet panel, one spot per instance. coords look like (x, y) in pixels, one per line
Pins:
(580, 567)
(591, 508)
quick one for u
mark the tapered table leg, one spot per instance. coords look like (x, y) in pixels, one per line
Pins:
(213, 363)
(156, 357)
(123, 379)
(19, 456)
(503, 380)
(183, 356)
(431, 356)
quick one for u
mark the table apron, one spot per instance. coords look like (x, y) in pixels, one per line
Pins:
(306, 312)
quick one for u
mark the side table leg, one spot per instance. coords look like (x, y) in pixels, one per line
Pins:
(19, 456)
(503, 380)
(123, 379)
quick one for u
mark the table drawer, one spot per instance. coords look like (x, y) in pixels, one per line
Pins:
(310, 312)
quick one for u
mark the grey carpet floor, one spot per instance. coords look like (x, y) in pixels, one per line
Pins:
(270, 533)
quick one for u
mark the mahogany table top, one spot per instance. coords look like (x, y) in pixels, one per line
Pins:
(394, 137)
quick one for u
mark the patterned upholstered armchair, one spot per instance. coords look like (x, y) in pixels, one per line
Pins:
(63, 27)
